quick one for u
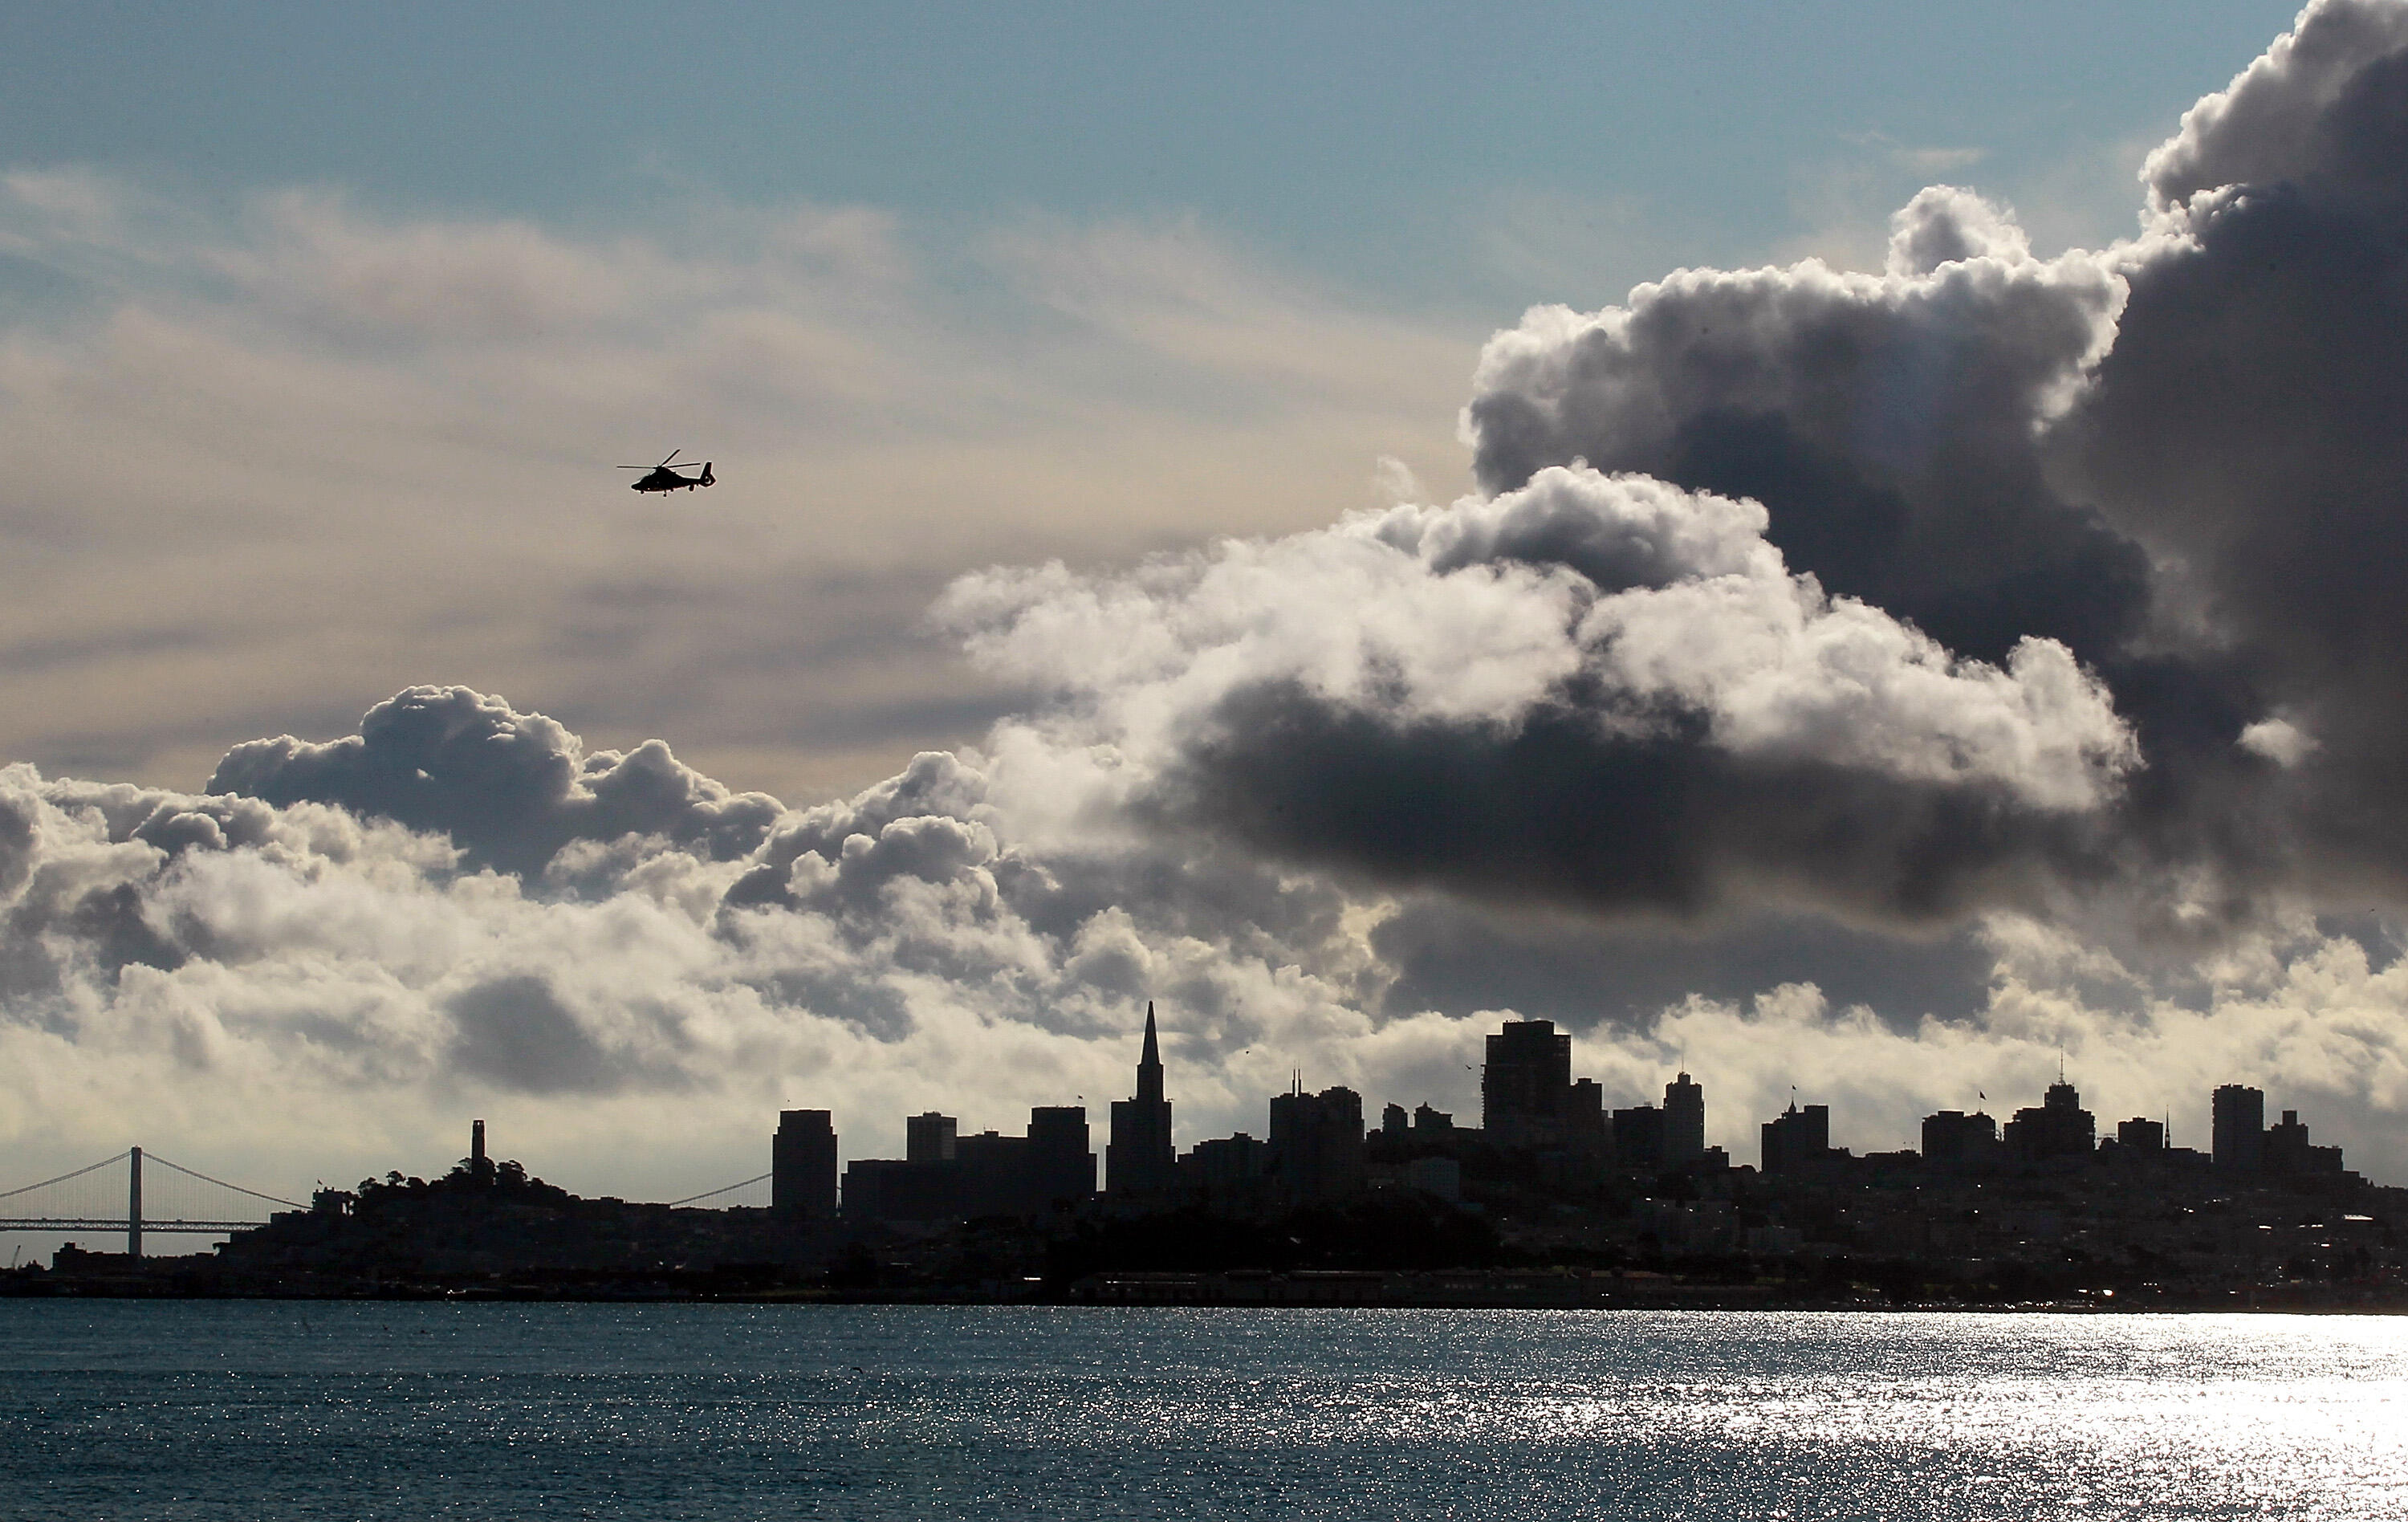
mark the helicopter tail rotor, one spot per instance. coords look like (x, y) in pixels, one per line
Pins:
(707, 477)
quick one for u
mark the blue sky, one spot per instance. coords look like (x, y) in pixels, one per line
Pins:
(1367, 143)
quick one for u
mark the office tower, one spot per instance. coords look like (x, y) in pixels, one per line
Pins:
(2059, 1128)
(1685, 1122)
(929, 1137)
(1061, 1158)
(802, 1164)
(1526, 1085)
(1429, 1121)
(900, 1189)
(1957, 1142)
(2238, 1129)
(1394, 1120)
(1316, 1144)
(1226, 1171)
(2141, 1134)
(993, 1174)
(1586, 1127)
(2288, 1154)
(1139, 1160)
(1796, 1136)
(1638, 1137)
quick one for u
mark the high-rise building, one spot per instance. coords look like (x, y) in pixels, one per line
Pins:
(1061, 1159)
(1139, 1157)
(1316, 1144)
(1796, 1136)
(1429, 1121)
(2287, 1152)
(802, 1164)
(929, 1137)
(2238, 1129)
(993, 1174)
(1959, 1143)
(2141, 1134)
(1638, 1137)
(1526, 1085)
(2059, 1128)
(1394, 1120)
(1685, 1122)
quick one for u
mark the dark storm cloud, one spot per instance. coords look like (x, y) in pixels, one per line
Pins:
(509, 788)
(1557, 811)
(1614, 979)
(515, 1034)
(2251, 421)
(1886, 423)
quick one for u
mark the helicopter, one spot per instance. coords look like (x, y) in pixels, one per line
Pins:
(665, 478)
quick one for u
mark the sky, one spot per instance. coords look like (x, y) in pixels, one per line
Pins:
(1846, 545)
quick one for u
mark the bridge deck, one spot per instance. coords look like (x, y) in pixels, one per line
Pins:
(38, 1223)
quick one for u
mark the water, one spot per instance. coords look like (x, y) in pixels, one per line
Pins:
(249, 1410)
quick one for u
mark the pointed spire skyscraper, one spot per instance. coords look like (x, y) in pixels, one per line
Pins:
(1138, 1160)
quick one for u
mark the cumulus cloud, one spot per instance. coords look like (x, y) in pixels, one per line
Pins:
(1592, 687)
(1891, 683)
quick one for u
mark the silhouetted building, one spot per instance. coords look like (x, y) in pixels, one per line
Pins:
(1525, 1083)
(2141, 1134)
(1061, 1158)
(1638, 1137)
(1394, 1120)
(1685, 1123)
(481, 1167)
(929, 1137)
(1959, 1142)
(1430, 1122)
(2288, 1154)
(802, 1163)
(1316, 1144)
(1795, 1138)
(993, 1174)
(1226, 1172)
(1140, 1158)
(2238, 1129)
(902, 1189)
(2057, 1127)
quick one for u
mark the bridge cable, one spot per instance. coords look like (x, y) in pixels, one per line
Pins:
(79, 1172)
(272, 1199)
(723, 1190)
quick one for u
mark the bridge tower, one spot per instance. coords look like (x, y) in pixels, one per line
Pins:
(134, 1205)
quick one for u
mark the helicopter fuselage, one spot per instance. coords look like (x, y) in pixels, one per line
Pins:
(664, 479)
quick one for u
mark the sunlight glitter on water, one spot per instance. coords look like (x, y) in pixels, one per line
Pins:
(711, 1412)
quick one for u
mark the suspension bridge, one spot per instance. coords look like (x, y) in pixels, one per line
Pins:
(182, 1200)
(187, 1201)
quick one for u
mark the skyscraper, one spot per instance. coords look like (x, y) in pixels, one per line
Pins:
(1526, 1085)
(1685, 1122)
(1316, 1144)
(2057, 1127)
(929, 1137)
(1796, 1136)
(1140, 1158)
(1061, 1165)
(2240, 1128)
(802, 1164)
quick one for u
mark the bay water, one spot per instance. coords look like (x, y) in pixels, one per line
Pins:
(273, 1410)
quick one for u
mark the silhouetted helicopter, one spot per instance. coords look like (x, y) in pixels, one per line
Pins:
(661, 478)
